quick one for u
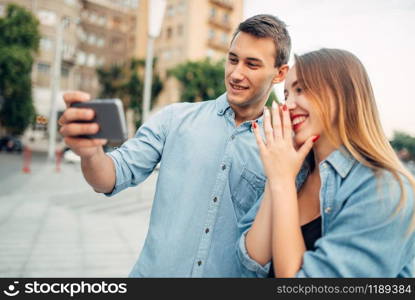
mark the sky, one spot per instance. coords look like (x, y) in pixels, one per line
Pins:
(380, 33)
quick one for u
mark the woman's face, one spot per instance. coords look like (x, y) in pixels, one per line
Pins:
(304, 119)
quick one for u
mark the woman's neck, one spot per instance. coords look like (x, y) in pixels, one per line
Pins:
(322, 150)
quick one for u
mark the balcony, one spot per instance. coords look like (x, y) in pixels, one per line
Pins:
(222, 24)
(218, 45)
(226, 4)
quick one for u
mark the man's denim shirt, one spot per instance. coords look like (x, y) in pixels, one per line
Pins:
(360, 237)
(210, 176)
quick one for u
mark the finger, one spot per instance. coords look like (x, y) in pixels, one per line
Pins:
(75, 129)
(76, 114)
(276, 120)
(75, 96)
(84, 143)
(269, 135)
(286, 123)
(307, 146)
(258, 137)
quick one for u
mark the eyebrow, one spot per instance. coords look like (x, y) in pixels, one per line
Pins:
(248, 58)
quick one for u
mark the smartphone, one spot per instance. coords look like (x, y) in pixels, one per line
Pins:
(109, 114)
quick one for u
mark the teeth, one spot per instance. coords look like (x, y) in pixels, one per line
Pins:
(237, 87)
(298, 120)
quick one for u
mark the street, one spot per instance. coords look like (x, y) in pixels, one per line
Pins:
(52, 224)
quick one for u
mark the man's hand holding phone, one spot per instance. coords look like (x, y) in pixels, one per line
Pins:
(71, 129)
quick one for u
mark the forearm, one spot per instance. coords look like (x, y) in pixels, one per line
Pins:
(258, 238)
(287, 241)
(99, 171)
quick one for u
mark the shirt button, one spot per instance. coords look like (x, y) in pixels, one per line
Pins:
(327, 210)
(215, 199)
(199, 262)
(223, 167)
(207, 230)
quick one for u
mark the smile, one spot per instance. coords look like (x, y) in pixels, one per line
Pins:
(298, 120)
(237, 87)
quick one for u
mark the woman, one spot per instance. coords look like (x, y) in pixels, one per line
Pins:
(338, 202)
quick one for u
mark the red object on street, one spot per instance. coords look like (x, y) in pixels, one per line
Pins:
(27, 158)
(58, 156)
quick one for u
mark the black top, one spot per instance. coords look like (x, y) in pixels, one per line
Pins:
(311, 233)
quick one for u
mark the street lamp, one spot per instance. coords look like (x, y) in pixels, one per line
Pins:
(55, 86)
(156, 13)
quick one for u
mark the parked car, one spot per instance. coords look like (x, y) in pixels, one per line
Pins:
(11, 144)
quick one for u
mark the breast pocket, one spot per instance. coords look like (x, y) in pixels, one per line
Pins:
(249, 188)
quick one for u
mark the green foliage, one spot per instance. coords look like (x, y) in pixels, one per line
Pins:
(272, 97)
(202, 80)
(402, 140)
(126, 82)
(19, 40)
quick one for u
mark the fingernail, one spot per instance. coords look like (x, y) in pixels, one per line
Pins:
(254, 125)
(316, 138)
(274, 105)
(266, 111)
(284, 107)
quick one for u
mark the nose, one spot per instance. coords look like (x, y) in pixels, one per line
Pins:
(237, 74)
(290, 102)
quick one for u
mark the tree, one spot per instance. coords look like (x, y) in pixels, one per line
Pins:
(401, 141)
(125, 81)
(203, 80)
(19, 41)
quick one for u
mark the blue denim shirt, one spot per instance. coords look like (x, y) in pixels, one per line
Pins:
(210, 176)
(360, 235)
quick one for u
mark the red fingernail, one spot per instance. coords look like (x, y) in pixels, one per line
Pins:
(254, 125)
(284, 107)
(316, 138)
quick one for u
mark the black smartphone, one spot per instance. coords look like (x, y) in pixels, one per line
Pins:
(109, 114)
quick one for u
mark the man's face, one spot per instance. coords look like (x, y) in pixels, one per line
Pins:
(250, 70)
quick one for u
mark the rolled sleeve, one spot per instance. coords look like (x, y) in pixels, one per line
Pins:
(136, 159)
(248, 262)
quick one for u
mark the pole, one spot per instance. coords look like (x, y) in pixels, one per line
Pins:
(56, 80)
(148, 78)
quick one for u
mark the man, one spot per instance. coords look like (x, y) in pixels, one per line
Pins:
(210, 172)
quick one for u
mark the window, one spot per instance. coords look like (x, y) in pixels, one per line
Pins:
(64, 71)
(93, 18)
(91, 61)
(100, 42)
(224, 39)
(92, 39)
(43, 68)
(2, 10)
(47, 17)
(46, 43)
(169, 32)
(102, 21)
(81, 58)
(170, 11)
(211, 34)
(71, 2)
(213, 12)
(226, 18)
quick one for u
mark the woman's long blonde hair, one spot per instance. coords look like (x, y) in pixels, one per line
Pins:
(337, 77)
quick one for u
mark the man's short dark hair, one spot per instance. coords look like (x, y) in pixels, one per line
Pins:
(268, 26)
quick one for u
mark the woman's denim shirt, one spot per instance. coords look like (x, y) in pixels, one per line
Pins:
(361, 235)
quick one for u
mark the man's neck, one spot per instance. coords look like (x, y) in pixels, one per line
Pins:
(247, 114)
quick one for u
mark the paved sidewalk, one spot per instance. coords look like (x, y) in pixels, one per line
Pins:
(54, 225)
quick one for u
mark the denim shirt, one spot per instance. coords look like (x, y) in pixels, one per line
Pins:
(360, 235)
(210, 176)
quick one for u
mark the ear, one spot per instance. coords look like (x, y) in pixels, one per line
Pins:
(280, 76)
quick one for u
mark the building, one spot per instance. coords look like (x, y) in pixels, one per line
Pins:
(99, 32)
(193, 30)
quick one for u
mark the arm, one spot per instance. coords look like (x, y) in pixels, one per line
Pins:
(99, 171)
(258, 238)
(282, 162)
(288, 245)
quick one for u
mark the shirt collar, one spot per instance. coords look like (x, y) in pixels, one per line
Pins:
(222, 105)
(342, 161)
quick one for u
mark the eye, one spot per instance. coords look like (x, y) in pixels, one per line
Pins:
(251, 65)
(233, 60)
(298, 90)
